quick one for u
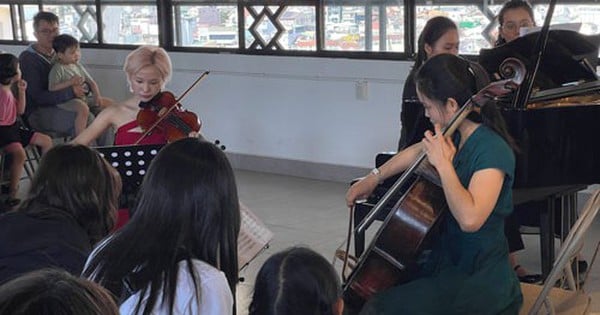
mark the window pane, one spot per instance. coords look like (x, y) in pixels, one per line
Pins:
(300, 25)
(29, 12)
(206, 26)
(77, 20)
(68, 1)
(470, 20)
(6, 31)
(280, 27)
(369, 27)
(587, 15)
(130, 24)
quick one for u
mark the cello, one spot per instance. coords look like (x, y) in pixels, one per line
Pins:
(388, 262)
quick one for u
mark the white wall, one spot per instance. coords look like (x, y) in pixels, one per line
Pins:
(291, 108)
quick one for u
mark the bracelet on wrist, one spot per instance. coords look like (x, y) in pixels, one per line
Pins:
(378, 175)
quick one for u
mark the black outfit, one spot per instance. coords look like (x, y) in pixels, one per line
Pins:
(15, 133)
(48, 238)
(413, 122)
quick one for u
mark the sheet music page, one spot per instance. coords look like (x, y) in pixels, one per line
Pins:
(564, 26)
(254, 236)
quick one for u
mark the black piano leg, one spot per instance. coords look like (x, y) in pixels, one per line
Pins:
(547, 235)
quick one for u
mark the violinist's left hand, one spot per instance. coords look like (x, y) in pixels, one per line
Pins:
(439, 149)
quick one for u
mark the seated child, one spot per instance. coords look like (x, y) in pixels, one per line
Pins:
(67, 72)
(297, 281)
(13, 136)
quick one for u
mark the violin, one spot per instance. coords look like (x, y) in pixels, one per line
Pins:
(165, 113)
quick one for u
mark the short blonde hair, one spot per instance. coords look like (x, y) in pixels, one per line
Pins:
(145, 56)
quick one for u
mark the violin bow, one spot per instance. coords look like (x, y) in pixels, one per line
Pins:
(177, 102)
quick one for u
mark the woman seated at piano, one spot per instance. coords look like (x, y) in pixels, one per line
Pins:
(178, 253)
(467, 270)
(513, 15)
(148, 70)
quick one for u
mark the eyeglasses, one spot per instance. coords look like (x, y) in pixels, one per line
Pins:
(47, 31)
(511, 26)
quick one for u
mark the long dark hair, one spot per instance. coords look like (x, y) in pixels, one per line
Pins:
(76, 181)
(435, 28)
(296, 281)
(187, 209)
(447, 76)
(511, 5)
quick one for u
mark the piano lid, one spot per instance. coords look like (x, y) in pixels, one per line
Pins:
(569, 57)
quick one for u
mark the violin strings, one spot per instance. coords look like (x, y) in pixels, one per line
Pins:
(179, 123)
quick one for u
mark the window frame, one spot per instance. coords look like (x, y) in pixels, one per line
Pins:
(166, 19)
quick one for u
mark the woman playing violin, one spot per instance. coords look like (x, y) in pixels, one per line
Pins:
(467, 270)
(148, 69)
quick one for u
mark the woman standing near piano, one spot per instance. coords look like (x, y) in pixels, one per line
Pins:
(439, 36)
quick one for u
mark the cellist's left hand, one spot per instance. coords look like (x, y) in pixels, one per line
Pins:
(439, 149)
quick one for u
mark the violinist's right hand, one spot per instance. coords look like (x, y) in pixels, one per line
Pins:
(361, 189)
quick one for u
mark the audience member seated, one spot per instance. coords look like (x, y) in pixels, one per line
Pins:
(297, 281)
(71, 205)
(68, 72)
(36, 62)
(55, 292)
(178, 253)
(13, 136)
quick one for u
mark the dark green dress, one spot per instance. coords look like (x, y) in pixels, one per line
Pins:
(465, 273)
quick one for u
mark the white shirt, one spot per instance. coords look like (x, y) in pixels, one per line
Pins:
(215, 295)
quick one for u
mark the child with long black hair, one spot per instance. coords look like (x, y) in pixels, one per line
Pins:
(178, 253)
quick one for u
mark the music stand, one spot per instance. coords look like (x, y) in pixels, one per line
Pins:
(131, 161)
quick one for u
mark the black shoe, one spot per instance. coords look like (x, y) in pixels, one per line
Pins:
(535, 278)
(12, 202)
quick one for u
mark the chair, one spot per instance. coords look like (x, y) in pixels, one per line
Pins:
(362, 209)
(557, 300)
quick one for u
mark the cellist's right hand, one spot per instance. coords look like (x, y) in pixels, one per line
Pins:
(361, 189)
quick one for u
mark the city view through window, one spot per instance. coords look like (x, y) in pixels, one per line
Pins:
(364, 28)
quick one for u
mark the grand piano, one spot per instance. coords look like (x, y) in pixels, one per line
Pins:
(555, 128)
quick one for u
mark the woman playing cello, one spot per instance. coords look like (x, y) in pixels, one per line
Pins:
(467, 270)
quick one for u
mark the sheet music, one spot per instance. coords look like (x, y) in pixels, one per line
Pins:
(564, 26)
(254, 237)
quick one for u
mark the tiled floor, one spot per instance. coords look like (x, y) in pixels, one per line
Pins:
(313, 213)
